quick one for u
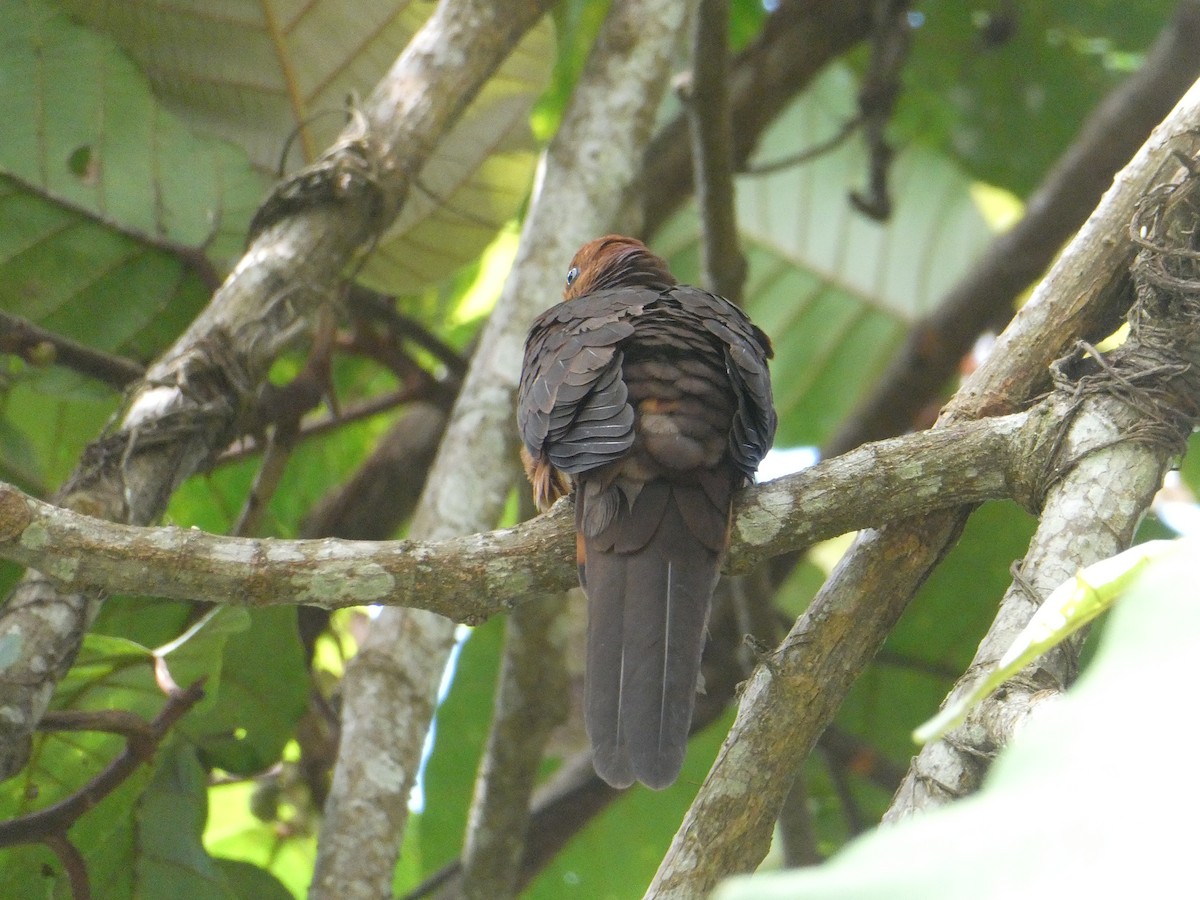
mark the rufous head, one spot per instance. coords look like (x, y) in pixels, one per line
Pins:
(615, 261)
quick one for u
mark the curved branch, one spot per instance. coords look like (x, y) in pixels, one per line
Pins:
(983, 297)
(786, 705)
(391, 686)
(191, 400)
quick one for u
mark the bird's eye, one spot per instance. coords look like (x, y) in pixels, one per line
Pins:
(572, 275)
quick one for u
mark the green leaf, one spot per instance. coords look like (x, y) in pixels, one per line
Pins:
(834, 290)
(1044, 825)
(247, 880)
(258, 705)
(1070, 606)
(60, 266)
(234, 833)
(112, 673)
(170, 861)
(109, 207)
(93, 139)
(200, 651)
(276, 82)
(105, 837)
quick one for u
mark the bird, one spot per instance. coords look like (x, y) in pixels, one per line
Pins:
(650, 402)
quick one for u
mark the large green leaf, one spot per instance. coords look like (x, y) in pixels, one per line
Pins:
(113, 673)
(169, 859)
(107, 205)
(86, 133)
(835, 290)
(259, 705)
(1004, 86)
(275, 78)
(1080, 805)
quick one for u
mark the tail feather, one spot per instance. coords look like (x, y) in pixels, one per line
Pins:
(647, 611)
(605, 671)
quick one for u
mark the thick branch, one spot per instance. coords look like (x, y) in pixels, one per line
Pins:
(1090, 514)
(984, 297)
(190, 402)
(788, 703)
(471, 578)
(1147, 388)
(391, 685)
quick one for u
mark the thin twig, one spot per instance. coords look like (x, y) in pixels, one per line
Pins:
(59, 817)
(796, 42)
(112, 721)
(808, 154)
(27, 340)
(377, 307)
(985, 297)
(73, 863)
(797, 832)
(354, 412)
(877, 98)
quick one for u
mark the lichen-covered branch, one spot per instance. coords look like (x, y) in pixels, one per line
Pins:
(472, 577)
(1147, 388)
(192, 399)
(789, 701)
(391, 685)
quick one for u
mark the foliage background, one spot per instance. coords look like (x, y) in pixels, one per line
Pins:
(129, 169)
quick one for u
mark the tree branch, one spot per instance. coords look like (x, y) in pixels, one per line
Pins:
(474, 577)
(1148, 388)
(706, 101)
(985, 296)
(391, 685)
(26, 339)
(796, 42)
(789, 702)
(189, 404)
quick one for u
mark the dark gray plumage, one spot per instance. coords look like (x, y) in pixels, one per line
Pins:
(653, 400)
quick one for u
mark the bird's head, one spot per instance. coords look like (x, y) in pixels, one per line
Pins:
(615, 261)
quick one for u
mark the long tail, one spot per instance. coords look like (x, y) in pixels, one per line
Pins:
(649, 577)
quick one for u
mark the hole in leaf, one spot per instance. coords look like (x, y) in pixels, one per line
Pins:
(83, 164)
